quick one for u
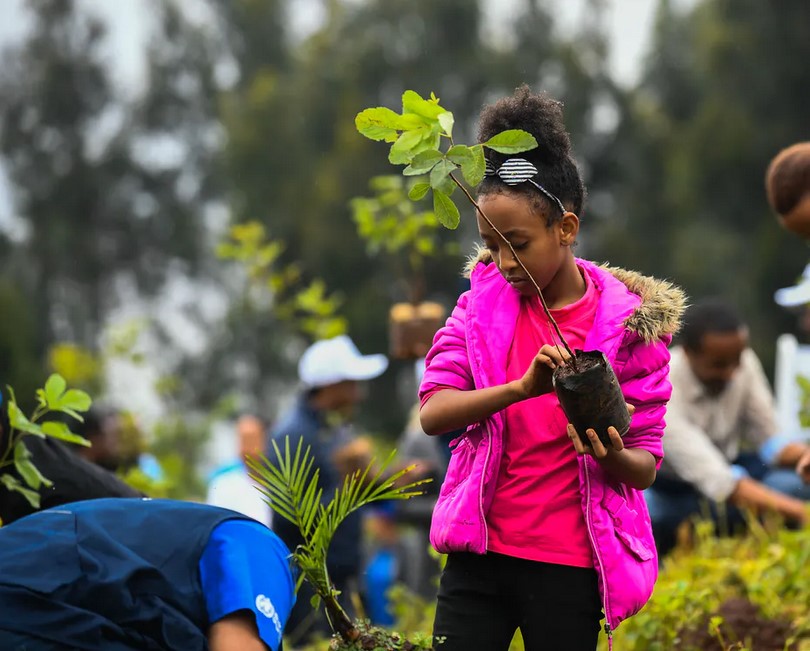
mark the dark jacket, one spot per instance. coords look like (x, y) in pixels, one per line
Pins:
(112, 575)
(74, 479)
(303, 422)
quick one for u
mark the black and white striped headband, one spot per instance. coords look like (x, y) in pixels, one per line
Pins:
(518, 170)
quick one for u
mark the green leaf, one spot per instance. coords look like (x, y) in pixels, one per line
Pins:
(473, 168)
(511, 141)
(28, 471)
(12, 484)
(446, 186)
(18, 421)
(402, 151)
(446, 211)
(459, 153)
(75, 399)
(413, 102)
(439, 173)
(61, 431)
(418, 191)
(378, 123)
(446, 121)
(54, 388)
(423, 162)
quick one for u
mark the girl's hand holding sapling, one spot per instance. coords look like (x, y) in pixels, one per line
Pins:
(537, 379)
(634, 467)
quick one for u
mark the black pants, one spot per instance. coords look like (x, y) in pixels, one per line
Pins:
(483, 599)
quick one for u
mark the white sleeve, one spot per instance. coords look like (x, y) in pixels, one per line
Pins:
(693, 457)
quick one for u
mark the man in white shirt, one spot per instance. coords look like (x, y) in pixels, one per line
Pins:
(721, 442)
(231, 487)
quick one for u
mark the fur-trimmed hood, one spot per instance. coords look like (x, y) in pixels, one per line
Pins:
(662, 303)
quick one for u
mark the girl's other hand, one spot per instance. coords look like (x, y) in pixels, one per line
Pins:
(537, 379)
(597, 449)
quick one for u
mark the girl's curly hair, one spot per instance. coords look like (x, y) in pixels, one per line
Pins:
(541, 116)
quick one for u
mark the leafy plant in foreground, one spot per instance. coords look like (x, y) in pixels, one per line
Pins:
(290, 487)
(54, 397)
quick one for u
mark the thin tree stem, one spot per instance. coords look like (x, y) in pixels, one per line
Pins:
(339, 620)
(522, 266)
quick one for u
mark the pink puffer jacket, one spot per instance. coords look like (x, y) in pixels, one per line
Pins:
(634, 322)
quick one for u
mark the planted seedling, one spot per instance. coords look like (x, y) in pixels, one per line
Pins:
(390, 223)
(586, 385)
(290, 487)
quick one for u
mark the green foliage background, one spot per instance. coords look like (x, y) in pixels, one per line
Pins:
(118, 192)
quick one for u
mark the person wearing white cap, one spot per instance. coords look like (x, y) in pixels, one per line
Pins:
(793, 355)
(330, 372)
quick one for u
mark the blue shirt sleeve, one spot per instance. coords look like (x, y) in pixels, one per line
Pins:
(245, 566)
(772, 448)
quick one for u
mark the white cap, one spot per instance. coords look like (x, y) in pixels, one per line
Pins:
(330, 361)
(797, 295)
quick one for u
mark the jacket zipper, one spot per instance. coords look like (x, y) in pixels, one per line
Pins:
(606, 601)
(481, 486)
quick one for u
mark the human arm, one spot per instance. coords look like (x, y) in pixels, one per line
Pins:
(759, 419)
(749, 493)
(632, 466)
(236, 632)
(642, 370)
(803, 467)
(792, 454)
(450, 409)
(245, 569)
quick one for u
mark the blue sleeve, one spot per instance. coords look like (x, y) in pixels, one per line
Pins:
(772, 448)
(245, 566)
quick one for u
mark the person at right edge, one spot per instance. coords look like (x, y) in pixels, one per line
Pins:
(542, 533)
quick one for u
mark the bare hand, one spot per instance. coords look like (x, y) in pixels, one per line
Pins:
(597, 449)
(537, 379)
(803, 467)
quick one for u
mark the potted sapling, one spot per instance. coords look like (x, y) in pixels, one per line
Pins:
(389, 223)
(421, 138)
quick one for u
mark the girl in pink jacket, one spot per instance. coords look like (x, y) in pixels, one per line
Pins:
(542, 532)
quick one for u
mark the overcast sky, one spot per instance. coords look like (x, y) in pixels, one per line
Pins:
(629, 23)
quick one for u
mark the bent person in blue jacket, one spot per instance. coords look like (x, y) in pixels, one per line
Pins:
(123, 574)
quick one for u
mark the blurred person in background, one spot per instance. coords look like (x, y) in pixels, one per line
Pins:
(787, 185)
(73, 477)
(793, 356)
(230, 486)
(331, 372)
(101, 428)
(126, 575)
(722, 442)
(399, 542)
(793, 365)
(115, 445)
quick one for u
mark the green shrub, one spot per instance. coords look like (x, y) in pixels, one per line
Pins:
(765, 575)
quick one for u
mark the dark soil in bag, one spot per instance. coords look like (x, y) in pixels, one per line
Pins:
(591, 397)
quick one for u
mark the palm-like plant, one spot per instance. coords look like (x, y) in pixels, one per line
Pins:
(290, 487)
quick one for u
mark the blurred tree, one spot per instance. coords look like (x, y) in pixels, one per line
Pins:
(20, 361)
(724, 89)
(110, 191)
